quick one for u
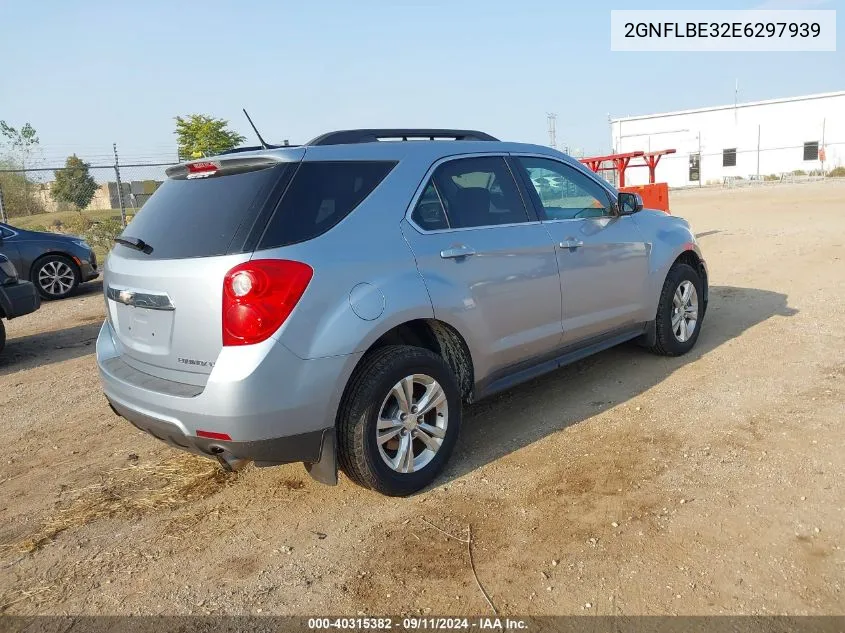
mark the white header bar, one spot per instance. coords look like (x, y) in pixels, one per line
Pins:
(723, 30)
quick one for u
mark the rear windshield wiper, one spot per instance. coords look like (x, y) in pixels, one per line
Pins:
(134, 242)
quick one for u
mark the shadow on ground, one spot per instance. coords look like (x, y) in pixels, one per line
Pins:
(707, 233)
(54, 346)
(520, 416)
(90, 288)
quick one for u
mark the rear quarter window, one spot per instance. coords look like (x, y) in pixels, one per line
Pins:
(319, 196)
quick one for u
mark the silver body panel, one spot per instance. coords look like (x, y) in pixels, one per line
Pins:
(520, 296)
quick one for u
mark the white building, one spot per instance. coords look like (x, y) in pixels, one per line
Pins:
(747, 140)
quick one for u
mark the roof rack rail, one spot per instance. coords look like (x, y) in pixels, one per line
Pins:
(347, 137)
(253, 148)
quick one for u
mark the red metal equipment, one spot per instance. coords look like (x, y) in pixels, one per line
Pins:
(620, 163)
(655, 195)
(651, 159)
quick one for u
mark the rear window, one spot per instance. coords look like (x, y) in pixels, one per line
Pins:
(200, 217)
(319, 196)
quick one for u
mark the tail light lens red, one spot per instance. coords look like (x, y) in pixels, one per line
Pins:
(258, 296)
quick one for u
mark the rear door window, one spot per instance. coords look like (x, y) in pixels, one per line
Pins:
(320, 195)
(477, 192)
(200, 217)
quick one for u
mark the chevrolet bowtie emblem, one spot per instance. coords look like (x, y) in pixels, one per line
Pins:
(138, 299)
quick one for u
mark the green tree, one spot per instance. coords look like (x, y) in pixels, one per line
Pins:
(199, 135)
(74, 184)
(19, 193)
(22, 142)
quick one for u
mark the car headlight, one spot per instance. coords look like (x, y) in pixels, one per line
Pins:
(82, 243)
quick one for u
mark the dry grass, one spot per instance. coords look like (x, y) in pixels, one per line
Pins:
(49, 219)
(133, 491)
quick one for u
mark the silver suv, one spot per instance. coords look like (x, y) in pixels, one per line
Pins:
(336, 303)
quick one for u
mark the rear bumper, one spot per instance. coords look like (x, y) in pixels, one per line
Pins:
(302, 447)
(18, 299)
(270, 407)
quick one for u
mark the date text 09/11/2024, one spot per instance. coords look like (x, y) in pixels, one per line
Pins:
(418, 623)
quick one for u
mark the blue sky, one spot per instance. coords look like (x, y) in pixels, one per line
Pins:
(90, 73)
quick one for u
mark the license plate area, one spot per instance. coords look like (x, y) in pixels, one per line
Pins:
(142, 329)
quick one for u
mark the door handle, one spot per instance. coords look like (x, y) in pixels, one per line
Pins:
(461, 250)
(571, 243)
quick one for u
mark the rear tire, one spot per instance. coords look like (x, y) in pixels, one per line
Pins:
(679, 312)
(2, 336)
(387, 441)
(55, 276)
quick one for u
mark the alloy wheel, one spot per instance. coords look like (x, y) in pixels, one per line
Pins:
(56, 277)
(684, 311)
(412, 423)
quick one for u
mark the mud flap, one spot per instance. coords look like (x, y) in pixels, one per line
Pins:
(649, 337)
(325, 470)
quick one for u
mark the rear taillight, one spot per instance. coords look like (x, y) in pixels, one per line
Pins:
(258, 296)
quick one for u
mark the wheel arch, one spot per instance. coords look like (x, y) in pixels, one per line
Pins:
(690, 255)
(438, 337)
(59, 253)
(693, 259)
(54, 253)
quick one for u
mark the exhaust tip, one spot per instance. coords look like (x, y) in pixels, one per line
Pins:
(229, 463)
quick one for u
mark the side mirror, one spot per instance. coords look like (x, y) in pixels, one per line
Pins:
(629, 203)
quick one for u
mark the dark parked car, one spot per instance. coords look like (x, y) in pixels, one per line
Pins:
(55, 263)
(16, 297)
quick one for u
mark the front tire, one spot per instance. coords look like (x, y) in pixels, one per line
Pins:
(55, 276)
(679, 312)
(399, 420)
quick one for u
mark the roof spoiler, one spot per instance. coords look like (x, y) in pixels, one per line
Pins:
(348, 137)
(212, 167)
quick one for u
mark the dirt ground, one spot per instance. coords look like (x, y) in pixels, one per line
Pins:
(624, 484)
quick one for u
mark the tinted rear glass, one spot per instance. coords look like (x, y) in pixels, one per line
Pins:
(200, 217)
(320, 195)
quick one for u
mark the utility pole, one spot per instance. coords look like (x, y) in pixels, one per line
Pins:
(758, 151)
(736, 99)
(3, 217)
(119, 188)
(700, 162)
(552, 117)
(822, 153)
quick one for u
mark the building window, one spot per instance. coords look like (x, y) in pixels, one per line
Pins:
(695, 167)
(811, 150)
(729, 157)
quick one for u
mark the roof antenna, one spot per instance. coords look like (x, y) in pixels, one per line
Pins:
(257, 133)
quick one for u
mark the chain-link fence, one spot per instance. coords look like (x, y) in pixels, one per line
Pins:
(91, 200)
(49, 193)
(44, 197)
(713, 149)
(738, 166)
